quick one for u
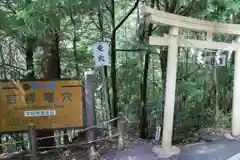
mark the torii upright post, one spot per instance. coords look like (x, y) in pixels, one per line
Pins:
(170, 87)
(236, 93)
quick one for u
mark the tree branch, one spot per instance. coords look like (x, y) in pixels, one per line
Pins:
(136, 50)
(166, 5)
(100, 23)
(158, 4)
(95, 23)
(70, 13)
(8, 6)
(178, 11)
(131, 50)
(3, 63)
(188, 9)
(187, 75)
(108, 8)
(173, 6)
(11, 66)
(126, 17)
(155, 28)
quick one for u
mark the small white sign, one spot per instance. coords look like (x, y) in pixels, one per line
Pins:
(220, 60)
(40, 113)
(158, 133)
(100, 53)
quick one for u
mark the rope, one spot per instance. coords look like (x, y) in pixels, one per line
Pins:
(79, 144)
(11, 155)
(207, 50)
(81, 130)
(128, 121)
(16, 142)
(59, 135)
(74, 145)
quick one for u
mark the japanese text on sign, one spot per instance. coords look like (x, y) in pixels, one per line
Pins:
(40, 113)
(100, 53)
(27, 102)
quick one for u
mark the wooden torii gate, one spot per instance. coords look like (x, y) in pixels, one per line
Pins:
(173, 41)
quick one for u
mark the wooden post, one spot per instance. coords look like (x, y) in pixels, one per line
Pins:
(32, 141)
(236, 93)
(105, 96)
(90, 111)
(170, 88)
(121, 130)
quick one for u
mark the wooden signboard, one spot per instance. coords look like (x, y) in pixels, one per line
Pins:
(48, 104)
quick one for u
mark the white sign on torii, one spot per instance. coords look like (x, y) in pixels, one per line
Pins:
(173, 41)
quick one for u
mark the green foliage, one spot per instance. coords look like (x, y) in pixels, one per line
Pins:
(190, 120)
(191, 89)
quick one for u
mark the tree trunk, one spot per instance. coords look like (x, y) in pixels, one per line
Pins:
(74, 41)
(30, 46)
(29, 57)
(163, 64)
(113, 64)
(215, 93)
(113, 54)
(114, 78)
(108, 88)
(143, 110)
(144, 91)
(75, 52)
(50, 69)
(3, 63)
(51, 60)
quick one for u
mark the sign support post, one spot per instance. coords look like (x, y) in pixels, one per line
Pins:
(100, 52)
(32, 141)
(90, 110)
(107, 106)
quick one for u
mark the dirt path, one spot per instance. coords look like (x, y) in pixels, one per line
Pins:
(136, 152)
